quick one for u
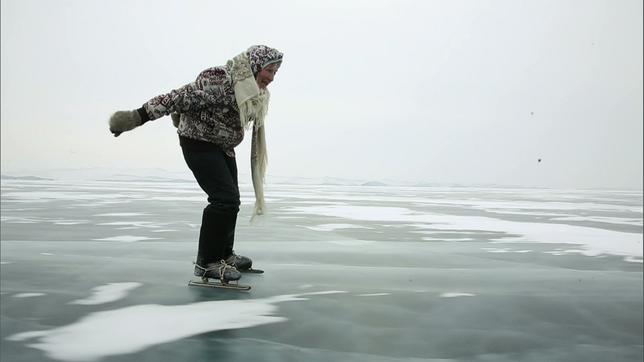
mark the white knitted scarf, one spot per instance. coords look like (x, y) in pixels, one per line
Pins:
(253, 105)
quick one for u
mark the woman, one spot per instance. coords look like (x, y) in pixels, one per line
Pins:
(211, 115)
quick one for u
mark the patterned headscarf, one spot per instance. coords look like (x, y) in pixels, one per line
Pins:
(261, 56)
(253, 105)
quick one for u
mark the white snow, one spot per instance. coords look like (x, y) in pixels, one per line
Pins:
(596, 241)
(331, 227)
(604, 219)
(633, 260)
(19, 220)
(126, 238)
(505, 250)
(44, 196)
(137, 224)
(135, 328)
(456, 294)
(108, 293)
(28, 295)
(351, 242)
(71, 222)
(122, 214)
(373, 294)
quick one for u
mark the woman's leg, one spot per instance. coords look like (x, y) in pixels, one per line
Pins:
(216, 175)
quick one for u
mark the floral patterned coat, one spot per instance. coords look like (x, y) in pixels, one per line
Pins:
(208, 109)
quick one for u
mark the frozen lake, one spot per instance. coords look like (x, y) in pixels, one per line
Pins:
(98, 270)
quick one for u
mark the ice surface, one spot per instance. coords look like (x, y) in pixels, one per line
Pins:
(428, 274)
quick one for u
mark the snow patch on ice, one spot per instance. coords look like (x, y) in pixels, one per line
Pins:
(108, 293)
(28, 295)
(505, 250)
(586, 252)
(45, 196)
(354, 242)
(19, 220)
(427, 238)
(123, 214)
(137, 224)
(373, 294)
(597, 241)
(331, 227)
(455, 295)
(71, 222)
(133, 329)
(631, 259)
(126, 238)
(603, 219)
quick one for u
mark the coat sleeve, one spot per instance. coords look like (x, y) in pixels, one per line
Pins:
(208, 89)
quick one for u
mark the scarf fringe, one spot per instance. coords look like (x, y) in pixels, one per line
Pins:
(253, 106)
(258, 163)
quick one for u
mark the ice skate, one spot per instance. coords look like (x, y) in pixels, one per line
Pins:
(242, 263)
(222, 272)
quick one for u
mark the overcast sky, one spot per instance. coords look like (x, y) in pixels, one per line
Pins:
(464, 92)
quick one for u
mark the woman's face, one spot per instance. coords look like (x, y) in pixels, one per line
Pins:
(266, 75)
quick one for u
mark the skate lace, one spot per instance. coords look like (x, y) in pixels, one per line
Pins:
(221, 268)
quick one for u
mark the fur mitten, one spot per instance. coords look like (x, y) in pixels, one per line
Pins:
(122, 121)
(176, 117)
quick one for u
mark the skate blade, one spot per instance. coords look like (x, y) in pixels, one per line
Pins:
(252, 271)
(217, 284)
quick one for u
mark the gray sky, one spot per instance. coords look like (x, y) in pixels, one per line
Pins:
(465, 91)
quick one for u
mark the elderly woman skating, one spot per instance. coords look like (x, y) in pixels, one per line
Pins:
(211, 115)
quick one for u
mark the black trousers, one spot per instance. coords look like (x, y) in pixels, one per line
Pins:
(216, 173)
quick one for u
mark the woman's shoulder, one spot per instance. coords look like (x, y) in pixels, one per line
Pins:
(218, 83)
(218, 74)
